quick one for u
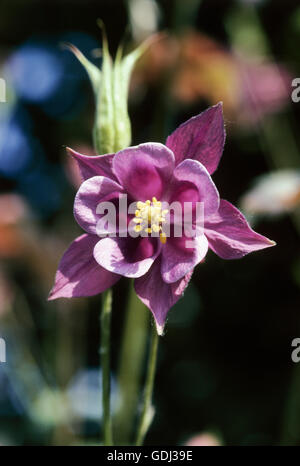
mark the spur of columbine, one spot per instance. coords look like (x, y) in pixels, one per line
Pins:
(149, 175)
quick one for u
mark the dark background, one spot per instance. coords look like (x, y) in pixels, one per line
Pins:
(225, 361)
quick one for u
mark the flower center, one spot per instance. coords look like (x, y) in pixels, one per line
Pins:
(149, 217)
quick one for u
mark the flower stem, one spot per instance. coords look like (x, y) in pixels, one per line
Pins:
(147, 409)
(132, 357)
(105, 320)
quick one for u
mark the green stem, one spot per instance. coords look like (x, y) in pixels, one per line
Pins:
(147, 409)
(132, 357)
(105, 320)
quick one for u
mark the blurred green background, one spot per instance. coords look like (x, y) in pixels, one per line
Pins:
(225, 361)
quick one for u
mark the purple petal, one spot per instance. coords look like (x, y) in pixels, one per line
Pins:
(90, 194)
(144, 171)
(230, 236)
(181, 255)
(79, 274)
(130, 257)
(94, 165)
(195, 174)
(158, 295)
(201, 138)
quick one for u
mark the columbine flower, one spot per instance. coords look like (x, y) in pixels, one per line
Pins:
(151, 174)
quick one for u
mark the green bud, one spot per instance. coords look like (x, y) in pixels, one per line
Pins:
(122, 71)
(103, 133)
(112, 128)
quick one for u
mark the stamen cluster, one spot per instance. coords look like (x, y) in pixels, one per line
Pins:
(149, 218)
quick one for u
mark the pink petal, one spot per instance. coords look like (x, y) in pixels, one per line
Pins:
(90, 194)
(158, 295)
(194, 173)
(93, 165)
(144, 171)
(229, 234)
(201, 138)
(130, 257)
(79, 274)
(178, 259)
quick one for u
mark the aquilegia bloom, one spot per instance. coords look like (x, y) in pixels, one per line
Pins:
(150, 174)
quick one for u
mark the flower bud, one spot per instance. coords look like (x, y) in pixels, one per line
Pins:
(112, 128)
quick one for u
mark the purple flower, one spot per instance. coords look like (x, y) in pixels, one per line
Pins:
(151, 174)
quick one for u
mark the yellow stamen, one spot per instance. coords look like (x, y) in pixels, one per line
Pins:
(149, 216)
(163, 238)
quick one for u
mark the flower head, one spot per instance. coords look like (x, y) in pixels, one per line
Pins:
(151, 176)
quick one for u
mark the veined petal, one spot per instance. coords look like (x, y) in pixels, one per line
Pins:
(130, 257)
(158, 295)
(93, 165)
(90, 195)
(201, 138)
(79, 274)
(194, 173)
(229, 234)
(144, 171)
(181, 255)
